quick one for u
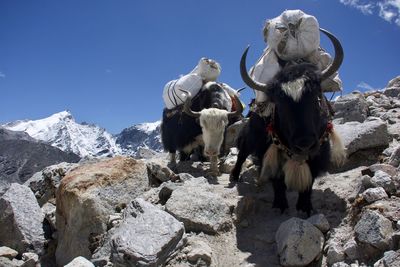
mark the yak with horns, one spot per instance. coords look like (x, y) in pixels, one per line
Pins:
(297, 141)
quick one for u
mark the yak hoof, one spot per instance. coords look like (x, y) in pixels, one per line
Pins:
(305, 207)
(214, 172)
(281, 204)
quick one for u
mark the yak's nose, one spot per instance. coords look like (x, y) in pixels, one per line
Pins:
(210, 152)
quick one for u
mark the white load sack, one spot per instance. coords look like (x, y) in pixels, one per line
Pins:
(174, 95)
(292, 35)
(174, 91)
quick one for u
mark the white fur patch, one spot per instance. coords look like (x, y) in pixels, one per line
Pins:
(338, 152)
(297, 175)
(213, 122)
(294, 89)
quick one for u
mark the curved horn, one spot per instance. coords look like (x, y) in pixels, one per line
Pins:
(246, 78)
(187, 105)
(239, 108)
(337, 61)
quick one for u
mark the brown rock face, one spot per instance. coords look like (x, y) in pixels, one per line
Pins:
(87, 196)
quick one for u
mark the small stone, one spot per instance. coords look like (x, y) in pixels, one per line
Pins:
(384, 180)
(199, 250)
(228, 164)
(335, 254)
(8, 252)
(340, 264)
(30, 259)
(320, 221)
(374, 194)
(351, 249)
(158, 174)
(79, 262)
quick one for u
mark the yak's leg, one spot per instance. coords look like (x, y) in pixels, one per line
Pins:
(183, 156)
(304, 201)
(280, 200)
(241, 158)
(172, 160)
(214, 165)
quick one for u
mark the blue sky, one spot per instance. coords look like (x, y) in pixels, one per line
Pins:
(108, 61)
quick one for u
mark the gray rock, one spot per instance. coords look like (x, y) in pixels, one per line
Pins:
(351, 249)
(394, 159)
(228, 164)
(198, 250)
(384, 180)
(207, 211)
(79, 262)
(21, 220)
(374, 229)
(299, 242)
(335, 254)
(6, 262)
(30, 259)
(49, 211)
(145, 237)
(393, 88)
(389, 208)
(158, 174)
(374, 194)
(340, 264)
(45, 182)
(8, 252)
(357, 136)
(351, 107)
(390, 259)
(320, 221)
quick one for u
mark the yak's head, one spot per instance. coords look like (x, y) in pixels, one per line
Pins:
(214, 105)
(300, 117)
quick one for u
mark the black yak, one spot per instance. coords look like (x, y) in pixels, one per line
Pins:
(296, 141)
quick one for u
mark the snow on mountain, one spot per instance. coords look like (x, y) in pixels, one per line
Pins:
(62, 131)
(136, 137)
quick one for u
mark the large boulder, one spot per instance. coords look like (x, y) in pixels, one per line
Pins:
(147, 236)
(87, 196)
(351, 107)
(21, 220)
(364, 142)
(200, 209)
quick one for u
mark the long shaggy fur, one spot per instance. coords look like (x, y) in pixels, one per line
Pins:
(297, 175)
(338, 152)
(270, 164)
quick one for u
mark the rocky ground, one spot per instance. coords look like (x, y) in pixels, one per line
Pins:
(127, 212)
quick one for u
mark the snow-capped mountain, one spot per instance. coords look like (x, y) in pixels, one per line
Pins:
(144, 135)
(62, 131)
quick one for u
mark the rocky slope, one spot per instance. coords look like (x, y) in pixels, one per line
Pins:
(21, 156)
(128, 212)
